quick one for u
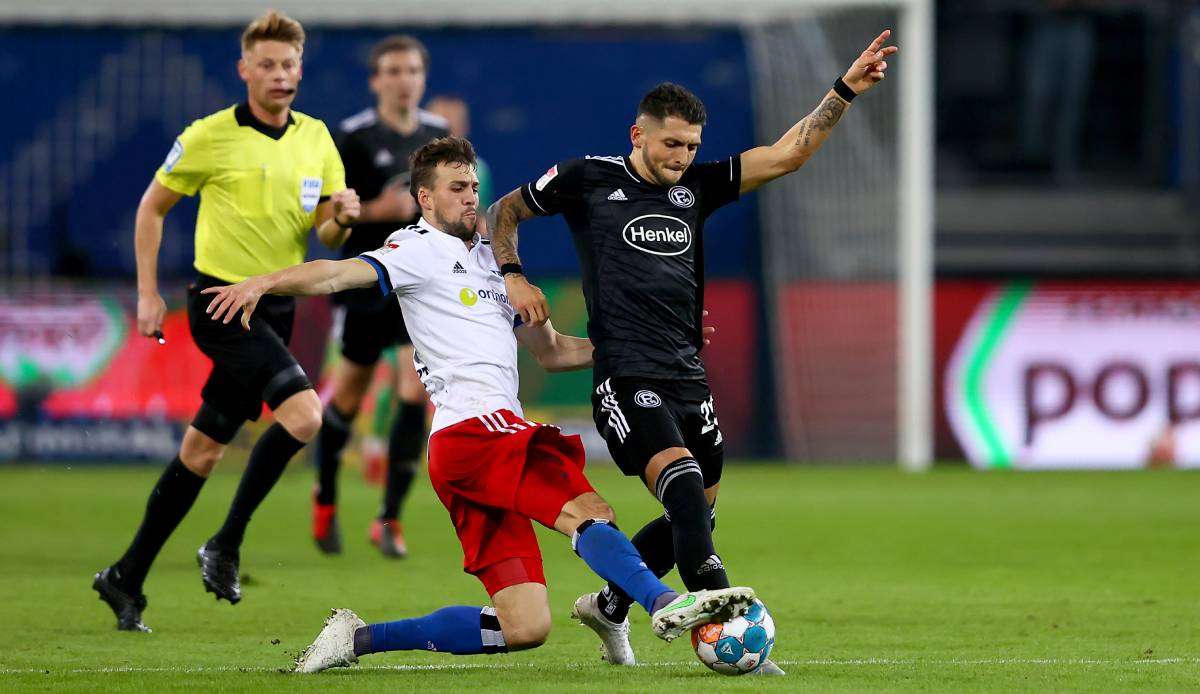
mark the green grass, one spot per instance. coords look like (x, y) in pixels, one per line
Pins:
(953, 581)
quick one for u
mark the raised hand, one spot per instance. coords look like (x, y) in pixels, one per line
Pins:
(868, 69)
(230, 298)
(346, 207)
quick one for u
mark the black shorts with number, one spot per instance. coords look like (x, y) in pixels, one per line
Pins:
(370, 324)
(250, 367)
(641, 417)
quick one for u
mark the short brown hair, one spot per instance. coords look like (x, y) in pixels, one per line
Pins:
(670, 99)
(444, 150)
(395, 44)
(273, 26)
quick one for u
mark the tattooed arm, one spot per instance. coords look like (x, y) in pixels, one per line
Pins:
(502, 219)
(763, 164)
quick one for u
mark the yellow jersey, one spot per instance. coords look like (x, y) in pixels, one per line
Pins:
(259, 188)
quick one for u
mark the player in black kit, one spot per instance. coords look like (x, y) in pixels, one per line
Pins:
(375, 145)
(637, 222)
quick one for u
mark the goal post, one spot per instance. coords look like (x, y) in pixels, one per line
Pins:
(915, 393)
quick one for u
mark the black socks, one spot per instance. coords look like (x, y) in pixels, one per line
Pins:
(404, 448)
(170, 500)
(268, 460)
(405, 440)
(680, 488)
(335, 432)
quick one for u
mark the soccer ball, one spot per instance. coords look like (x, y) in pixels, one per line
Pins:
(739, 646)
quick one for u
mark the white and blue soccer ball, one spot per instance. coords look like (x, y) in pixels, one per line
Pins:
(739, 646)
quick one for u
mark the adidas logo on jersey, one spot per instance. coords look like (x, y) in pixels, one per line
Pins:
(617, 194)
(458, 269)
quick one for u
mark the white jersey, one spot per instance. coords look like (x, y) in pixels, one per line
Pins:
(458, 316)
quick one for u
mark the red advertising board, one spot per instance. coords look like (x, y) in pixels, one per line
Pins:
(77, 381)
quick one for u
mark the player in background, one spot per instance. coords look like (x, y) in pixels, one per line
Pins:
(266, 174)
(458, 117)
(375, 145)
(637, 222)
(494, 470)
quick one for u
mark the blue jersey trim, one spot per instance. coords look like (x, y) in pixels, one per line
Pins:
(385, 280)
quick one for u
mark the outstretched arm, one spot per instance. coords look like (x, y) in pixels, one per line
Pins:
(553, 350)
(763, 164)
(502, 218)
(306, 279)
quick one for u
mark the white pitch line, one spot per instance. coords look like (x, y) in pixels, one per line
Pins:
(825, 662)
(992, 661)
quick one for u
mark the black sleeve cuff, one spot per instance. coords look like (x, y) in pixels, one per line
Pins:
(532, 202)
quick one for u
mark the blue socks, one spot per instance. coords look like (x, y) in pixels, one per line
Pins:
(465, 630)
(459, 630)
(613, 557)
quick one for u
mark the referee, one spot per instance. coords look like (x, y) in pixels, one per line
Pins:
(266, 175)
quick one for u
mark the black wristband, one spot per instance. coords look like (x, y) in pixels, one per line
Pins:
(344, 226)
(511, 269)
(843, 90)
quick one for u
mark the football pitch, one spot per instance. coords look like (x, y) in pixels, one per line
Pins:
(950, 581)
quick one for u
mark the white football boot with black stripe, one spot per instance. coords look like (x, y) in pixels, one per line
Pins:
(614, 638)
(334, 646)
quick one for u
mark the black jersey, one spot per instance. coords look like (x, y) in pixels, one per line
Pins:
(376, 156)
(640, 248)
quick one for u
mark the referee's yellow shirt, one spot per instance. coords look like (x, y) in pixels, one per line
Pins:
(259, 188)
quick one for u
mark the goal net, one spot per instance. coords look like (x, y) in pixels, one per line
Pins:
(831, 242)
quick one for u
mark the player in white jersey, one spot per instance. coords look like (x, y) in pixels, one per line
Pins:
(494, 470)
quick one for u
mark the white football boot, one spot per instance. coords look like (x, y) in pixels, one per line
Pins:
(769, 668)
(700, 607)
(614, 638)
(334, 646)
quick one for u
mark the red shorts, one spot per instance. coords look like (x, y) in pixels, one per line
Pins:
(496, 472)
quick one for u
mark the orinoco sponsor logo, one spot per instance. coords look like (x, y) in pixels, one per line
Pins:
(647, 398)
(494, 295)
(658, 234)
(470, 297)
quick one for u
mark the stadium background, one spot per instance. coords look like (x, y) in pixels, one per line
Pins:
(1060, 329)
(117, 97)
(805, 364)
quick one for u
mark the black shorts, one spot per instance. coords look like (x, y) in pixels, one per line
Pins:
(369, 328)
(250, 367)
(641, 417)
